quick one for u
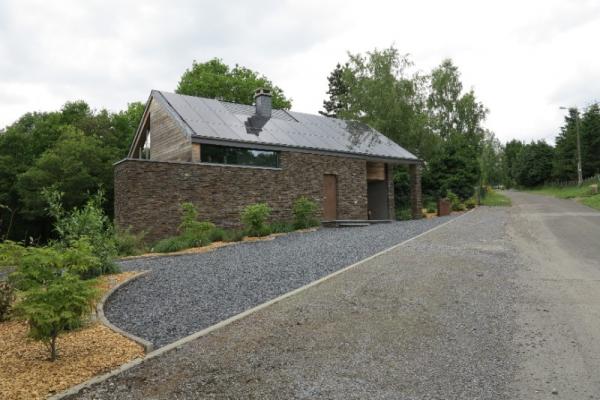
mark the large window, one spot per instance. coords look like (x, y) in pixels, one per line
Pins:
(238, 156)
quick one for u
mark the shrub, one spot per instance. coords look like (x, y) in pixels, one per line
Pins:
(7, 297)
(55, 307)
(403, 214)
(217, 235)
(172, 244)
(431, 207)
(234, 235)
(10, 253)
(281, 227)
(129, 244)
(304, 210)
(454, 201)
(40, 265)
(254, 218)
(89, 221)
(470, 203)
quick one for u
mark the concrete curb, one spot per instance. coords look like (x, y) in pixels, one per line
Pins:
(148, 346)
(228, 321)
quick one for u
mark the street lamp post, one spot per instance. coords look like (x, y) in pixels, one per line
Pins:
(577, 132)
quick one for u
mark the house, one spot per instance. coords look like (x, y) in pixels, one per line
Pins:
(223, 156)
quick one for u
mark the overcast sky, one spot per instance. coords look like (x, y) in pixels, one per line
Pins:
(523, 58)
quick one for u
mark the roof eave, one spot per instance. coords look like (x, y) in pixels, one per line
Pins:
(278, 147)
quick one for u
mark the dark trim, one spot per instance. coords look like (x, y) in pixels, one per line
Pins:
(197, 163)
(273, 147)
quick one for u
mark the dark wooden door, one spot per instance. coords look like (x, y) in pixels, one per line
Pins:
(329, 197)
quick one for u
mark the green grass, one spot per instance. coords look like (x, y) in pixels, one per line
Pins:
(495, 199)
(567, 192)
(581, 193)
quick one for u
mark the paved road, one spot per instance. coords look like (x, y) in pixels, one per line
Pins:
(559, 311)
(499, 304)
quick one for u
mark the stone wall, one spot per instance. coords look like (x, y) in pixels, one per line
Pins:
(148, 193)
(416, 196)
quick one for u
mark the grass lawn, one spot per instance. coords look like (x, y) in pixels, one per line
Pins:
(580, 193)
(495, 199)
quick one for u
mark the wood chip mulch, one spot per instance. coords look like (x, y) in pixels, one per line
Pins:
(26, 373)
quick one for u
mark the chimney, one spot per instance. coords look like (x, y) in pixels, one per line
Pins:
(262, 98)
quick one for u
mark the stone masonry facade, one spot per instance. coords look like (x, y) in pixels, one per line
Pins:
(148, 193)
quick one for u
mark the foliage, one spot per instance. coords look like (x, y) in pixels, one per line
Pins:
(470, 203)
(57, 305)
(129, 244)
(305, 213)
(173, 244)
(7, 297)
(216, 80)
(217, 235)
(512, 150)
(592, 201)
(282, 227)
(403, 214)
(254, 218)
(338, 91)
(72, 149)
(89, 222)
(40, 265)
(190, 226)
(534, 164)
(10, 253)
(493, 199)
(454, 201)
(234, 235)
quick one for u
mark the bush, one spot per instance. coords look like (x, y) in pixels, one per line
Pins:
(431, 207)
(254, 218)
(217, 235)
(190, 226)
(454, 201)
(173, 244)
(282, 227)
(10, 253)
(234, 235)
(40, 265)
(403, 214)
(130, 244)
(304, 213)
(471, 203)
(7, 297)
(56, 306)
(89, 221)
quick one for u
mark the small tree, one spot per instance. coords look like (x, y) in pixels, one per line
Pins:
(90, 222)
(254, 218)
(55, 307)
(304, 210)
(190, 227)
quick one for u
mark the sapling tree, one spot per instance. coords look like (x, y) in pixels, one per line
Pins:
(57, 306)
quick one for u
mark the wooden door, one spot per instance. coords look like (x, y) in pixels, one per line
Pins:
(329, 197)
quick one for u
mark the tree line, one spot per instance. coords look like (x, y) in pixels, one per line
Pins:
(432, 115)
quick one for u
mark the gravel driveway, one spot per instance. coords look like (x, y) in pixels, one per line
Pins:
(185, 294)
(433, 319)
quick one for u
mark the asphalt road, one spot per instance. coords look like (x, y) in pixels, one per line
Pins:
(558, 320)
(501, 303)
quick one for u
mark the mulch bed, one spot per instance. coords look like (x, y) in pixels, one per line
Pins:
(26, 373)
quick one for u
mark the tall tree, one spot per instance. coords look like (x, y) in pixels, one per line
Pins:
(534, 164)
(338, 91)
(565, 155)
(216, 80)
(512, 150)
(457, 119)
(590, 141)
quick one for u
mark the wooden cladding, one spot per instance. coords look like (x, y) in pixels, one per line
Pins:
(375, 171)
(195, 152)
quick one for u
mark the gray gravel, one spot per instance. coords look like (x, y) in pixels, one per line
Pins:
(433, 319)
(185, 294)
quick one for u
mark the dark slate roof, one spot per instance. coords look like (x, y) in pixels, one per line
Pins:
(216, 120)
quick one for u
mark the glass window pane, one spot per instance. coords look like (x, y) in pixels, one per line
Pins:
(238, 156)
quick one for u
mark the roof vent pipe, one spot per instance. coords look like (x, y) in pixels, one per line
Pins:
(262, 98)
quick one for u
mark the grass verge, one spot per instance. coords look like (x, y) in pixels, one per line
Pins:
(582, 194)
(495, 199)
